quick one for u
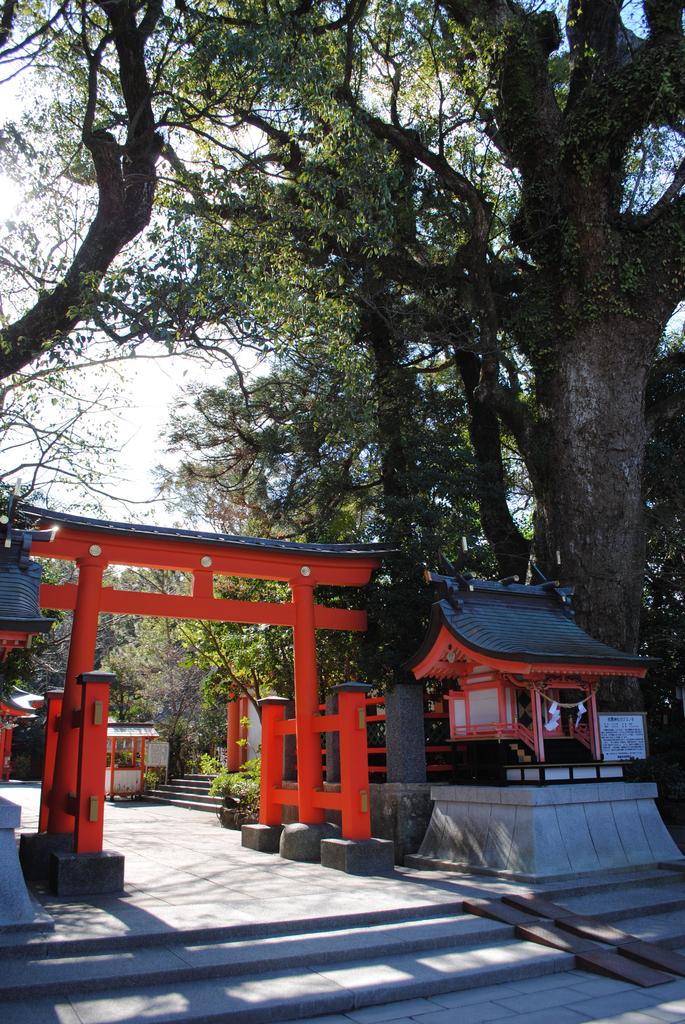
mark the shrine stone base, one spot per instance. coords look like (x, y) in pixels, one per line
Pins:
(36, 850)
(86, 874)
(262, 838)
(303, 842)
(545, 833)
(358, 856)
(400, 812)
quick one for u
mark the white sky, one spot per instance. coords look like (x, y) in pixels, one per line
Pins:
(139, 394)
(149, 388)
(128, 406)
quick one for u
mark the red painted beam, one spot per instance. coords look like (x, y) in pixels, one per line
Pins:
(173, 606)
(287, 797)
(340, 618)
(329, 801)
(287, 727)
(167, 553)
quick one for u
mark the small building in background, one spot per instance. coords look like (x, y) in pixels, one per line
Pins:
(129, 749)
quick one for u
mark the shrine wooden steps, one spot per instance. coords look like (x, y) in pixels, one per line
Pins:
(190, 791)
(520, 753)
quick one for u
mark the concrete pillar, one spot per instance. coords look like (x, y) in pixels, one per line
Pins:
(404, 732)
(232, 736)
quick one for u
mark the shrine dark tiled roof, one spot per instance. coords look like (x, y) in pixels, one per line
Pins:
(22, 701)
(519, 623)
(48, 517)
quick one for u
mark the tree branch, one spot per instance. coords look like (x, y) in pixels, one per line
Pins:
(616, 93)
(528, 118)
(635, 223)
(664, 18)
(7, 20)
(511, 548)
(126, 182)
(409, 142)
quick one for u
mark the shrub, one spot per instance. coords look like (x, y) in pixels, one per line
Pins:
(669, 777)
(21, 767)
(209, 765)
(152, 777)
(241, 787)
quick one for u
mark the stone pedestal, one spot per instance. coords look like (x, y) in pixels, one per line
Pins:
(18, 912)
(262, 838)
(358, 856)
(36, 849)
(400, 812)
(86, 874)
(303, 842)
(545, 833)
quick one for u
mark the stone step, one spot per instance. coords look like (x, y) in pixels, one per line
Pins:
(666, 928)
(280, 995)
(623, 880)
(188, 802)
(627, 902)
(184, 791)
(93, 970)
(198, 787)
(208, 779)
(54, 943)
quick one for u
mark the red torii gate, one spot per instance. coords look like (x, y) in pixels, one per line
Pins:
(94, 544)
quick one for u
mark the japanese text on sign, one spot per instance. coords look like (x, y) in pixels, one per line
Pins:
(623, 737)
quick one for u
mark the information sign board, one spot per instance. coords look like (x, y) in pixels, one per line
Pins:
(157, 754)
(624, 735)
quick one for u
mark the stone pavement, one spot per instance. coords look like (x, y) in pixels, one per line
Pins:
(185, 872)
(571, 998)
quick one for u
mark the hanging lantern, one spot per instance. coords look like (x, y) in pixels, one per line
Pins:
(20, 617)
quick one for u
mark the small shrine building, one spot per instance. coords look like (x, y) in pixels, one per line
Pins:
(18, 706)
(520, 679)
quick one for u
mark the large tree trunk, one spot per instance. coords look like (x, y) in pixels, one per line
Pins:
(591, 508)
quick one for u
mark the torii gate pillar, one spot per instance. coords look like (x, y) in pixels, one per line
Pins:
(81, 657)
(309, 765)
